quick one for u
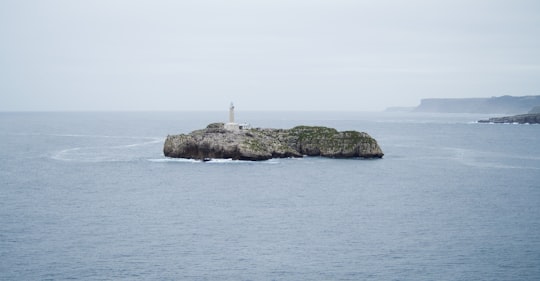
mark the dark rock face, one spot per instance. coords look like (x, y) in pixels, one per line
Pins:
(520, 119)
(262, 144)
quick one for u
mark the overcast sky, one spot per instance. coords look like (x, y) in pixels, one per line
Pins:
(263, 54)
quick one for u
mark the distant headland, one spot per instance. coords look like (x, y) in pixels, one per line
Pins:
(493, 105)
(239, 141)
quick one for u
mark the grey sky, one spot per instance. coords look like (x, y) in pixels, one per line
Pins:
(263, 55)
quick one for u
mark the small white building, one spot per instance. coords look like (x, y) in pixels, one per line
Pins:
(233, 126)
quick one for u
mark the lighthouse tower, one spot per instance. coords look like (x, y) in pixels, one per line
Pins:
(231, 125)
(231, 113)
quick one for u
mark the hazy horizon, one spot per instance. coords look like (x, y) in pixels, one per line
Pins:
(264, 56)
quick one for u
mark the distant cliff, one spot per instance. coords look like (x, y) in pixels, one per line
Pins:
(261, 144)
(503, 105)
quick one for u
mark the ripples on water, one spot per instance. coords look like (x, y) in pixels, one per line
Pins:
(90, 196)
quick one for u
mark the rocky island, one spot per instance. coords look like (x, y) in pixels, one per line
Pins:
(219, 140)
(241, 142)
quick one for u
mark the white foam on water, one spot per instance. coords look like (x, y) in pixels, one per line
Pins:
(483, 159)
(212, 161)
(63, 155)
(156, 140)
(92, 155)
(173, 160)
(231, 161)
(110, 153)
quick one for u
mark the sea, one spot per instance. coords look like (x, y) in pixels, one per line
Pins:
(90, 196)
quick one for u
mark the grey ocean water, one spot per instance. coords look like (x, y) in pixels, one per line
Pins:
(89, 196)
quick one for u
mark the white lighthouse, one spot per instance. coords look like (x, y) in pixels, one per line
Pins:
(231, 113)
(233, 126)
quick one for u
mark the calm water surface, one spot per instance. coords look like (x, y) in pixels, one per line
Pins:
(89, 196)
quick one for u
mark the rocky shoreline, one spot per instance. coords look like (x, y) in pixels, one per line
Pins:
(217, 142)
(519, 119)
